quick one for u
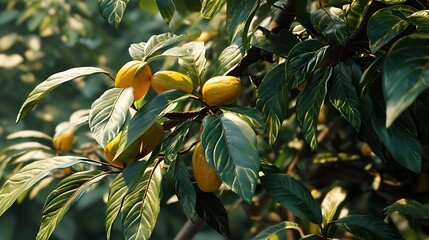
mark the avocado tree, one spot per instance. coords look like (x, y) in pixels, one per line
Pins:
(311, 115)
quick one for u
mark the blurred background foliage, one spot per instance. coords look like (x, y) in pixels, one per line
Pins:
(40, 38)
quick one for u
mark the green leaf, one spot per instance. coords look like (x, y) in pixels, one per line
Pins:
(330, 204)
(51, 83)
(303, 60)
(175, 140)
(112, 10)
(420, 19)
(229, 145)
(390, 2)
(29, 175)
(371, 74)
(250, 115)
(146, 117)
(331, 23)
(141, 206)
(343, 95)
(211, 209)
(29, 134)
(209, 8)
(293, 196)
(309, 102)
(228, 59)
(402, 85)
(279, 43)
(166, 8)
(357, 11)
(384, 25)
(240, 15)
(313, 237)
(400, 139)
(178, 179)
(368, 228)
(157, 44)
(108, 114)
(409, 208)
(192, 58)
(272, 100)
(267, 232)
(59, 201)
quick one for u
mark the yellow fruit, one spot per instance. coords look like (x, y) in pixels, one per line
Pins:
(110, 151)
(129, 156)
(65, 141)
(150, 139)
(366, 150)
(167, 80)
(302, 86)
(134, 74)
(205, 176)
(221, 90)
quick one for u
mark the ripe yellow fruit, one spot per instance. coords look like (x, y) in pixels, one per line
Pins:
(129, 156)
(366, 150)
(205, 176)
(136, 74)
(110, 151)
(167, 80)
(221, 90)
(150, 139)
(65, 141)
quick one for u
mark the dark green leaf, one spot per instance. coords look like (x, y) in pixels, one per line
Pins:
(272, 100)
(368, 228)
(331, 23)
(210, 7)
(239, 15)
(109, 113)
(357, 11)
(312, 237)
(178, 179)
(303, 60)
(211, 209)
(402, 85)
(250, 115)
(371, 74)
(409, 208)
(420, 19)
(343, 95)
(29, 175)
(330, 204)
(166, 8)
(279, 43)
(51, 83)
(59, 201)
(174, 141)
(229, 145)
(146, 117)
(229, 58)
(309, 102)
(140, 207)
(293, 196)
(267, 232)
(112, 10)
(384, 25)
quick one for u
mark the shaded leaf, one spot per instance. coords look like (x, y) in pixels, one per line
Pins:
(267, 232)
(293, 196)
(331, 23)
(402, 85)
(330, 204)
(384, 25)
(309, 102)
(420, 19)
(357, 11)
(51, 83)
(279, 43)
(108, 114)
(368, 228)
(209, 8)
(175, 140)
(112, 10)
(211, 209)
(409, 208)
(166, 8)
(229, 145)
(59, 201)
(228, 59)
(239, 17)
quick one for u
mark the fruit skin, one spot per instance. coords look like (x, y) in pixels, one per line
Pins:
(129, 156)
(167, 80)
(221, 90)
(205, 176)
(150, 139)
(136, 74)
(65, 141)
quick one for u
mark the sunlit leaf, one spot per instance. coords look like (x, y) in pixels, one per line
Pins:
(330, 204)
(309, 102)
(250, 115)
(59, 201)
(402, 85)
(356, 13)
(384, 25)
(229, 145)
(112, 10)
(228, 59)
(29, 175)
(166, 8)
(108, 114)
(391, 1)
(293, 196)
(239, 16)
(331, 23)
(51, 83)
(211, 209)
(29, 134)
(420, 19)
(267, 232)
(368, 228)
(210, 7)
(409, 208)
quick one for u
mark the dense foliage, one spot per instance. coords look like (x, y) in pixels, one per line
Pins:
(328, 138)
